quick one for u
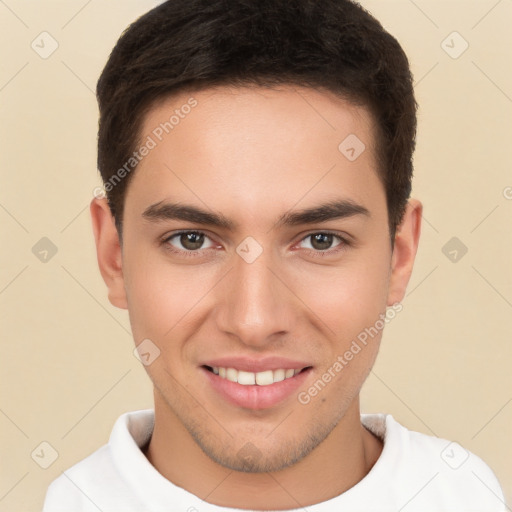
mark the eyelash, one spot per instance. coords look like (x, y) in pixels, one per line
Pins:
(194, 254)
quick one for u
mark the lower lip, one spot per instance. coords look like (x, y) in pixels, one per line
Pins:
(255, 397)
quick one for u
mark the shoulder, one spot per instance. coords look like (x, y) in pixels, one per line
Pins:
(436, 472)
(80, 486)
(97, 482)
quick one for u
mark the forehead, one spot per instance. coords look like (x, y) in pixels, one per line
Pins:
(256, 147)
(258, 113)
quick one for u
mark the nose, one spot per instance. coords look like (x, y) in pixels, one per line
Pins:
(255, 303)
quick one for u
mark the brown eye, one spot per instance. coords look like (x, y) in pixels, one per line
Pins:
(321, 241)
(192, 241)
(189, 241)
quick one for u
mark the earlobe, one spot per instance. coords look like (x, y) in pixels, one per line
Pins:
(404, 252)
(108, 251)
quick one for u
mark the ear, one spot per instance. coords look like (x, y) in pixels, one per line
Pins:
(108, 250)
(406, 244)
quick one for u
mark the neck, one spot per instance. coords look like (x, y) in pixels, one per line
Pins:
(342, 460)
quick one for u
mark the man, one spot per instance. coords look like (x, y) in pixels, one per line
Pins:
(257, 161)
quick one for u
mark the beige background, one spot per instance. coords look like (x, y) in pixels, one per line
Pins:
(68, 370)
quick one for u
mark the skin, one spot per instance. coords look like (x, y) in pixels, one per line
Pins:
(252, 155)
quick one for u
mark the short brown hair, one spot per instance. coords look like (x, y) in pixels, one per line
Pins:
(334, 45)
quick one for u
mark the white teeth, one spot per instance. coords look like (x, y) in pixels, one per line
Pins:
(264, 378)
(231, 374)
(279, 375)
(246, 378)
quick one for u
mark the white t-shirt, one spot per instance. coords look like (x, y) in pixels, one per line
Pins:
(414, 472)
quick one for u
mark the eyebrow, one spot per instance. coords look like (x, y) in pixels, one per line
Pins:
(332, 210)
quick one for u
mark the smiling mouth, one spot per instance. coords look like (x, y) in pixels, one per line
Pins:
(264, 378)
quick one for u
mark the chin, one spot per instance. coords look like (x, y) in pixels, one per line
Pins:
(262, 455)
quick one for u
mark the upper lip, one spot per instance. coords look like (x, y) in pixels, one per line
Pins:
(248, 364)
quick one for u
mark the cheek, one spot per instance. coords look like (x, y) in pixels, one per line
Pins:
(164, 298)
(160, 297)
(348, 298)
(350, 301)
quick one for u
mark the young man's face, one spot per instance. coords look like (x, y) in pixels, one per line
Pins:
(266, 289)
